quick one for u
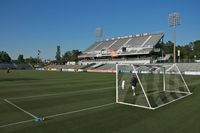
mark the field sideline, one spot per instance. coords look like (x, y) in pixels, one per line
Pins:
(85, 102)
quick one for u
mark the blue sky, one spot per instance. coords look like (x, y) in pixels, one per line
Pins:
(29, 25)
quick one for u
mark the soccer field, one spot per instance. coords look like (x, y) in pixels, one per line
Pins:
(85, 102)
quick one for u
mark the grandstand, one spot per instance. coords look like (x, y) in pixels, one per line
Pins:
(106, 67)
(7, 65)
(132, 45)
(141, 49)
(23, 66)
(20, 66)
(185, 68)
(72, 68)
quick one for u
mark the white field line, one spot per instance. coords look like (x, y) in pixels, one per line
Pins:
(173, 101)
(60, 93)
(178, 92)
(80, 110)
(20, 108)
(15, 123)
(56, 115)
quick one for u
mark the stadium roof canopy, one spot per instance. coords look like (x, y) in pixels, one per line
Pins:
(139, 44)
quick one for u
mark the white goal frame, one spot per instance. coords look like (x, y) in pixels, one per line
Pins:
(188, 93)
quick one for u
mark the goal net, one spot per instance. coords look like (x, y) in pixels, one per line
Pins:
(149, 86)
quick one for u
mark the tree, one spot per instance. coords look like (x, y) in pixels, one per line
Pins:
(67, 56)
(21, 58)
(71, 55)
(32, 60)
(196, 47)
(186, 51)
(58, 57)
(168, 47)
(75, 54)
(4, 57)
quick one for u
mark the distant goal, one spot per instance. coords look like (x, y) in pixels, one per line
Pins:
(149, 86)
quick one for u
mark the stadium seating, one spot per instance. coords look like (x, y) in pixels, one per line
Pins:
(119, 43)
(106, 67)
(184, 66)
(145, 50)
(104, 45)
(93, 46)
(97, 65)
(153, 40)
(111, 65)
(189, 66)
(7, 65)
(89, 66)
(195, 67)
(23, 66)
(59, 67)
(134, 44)
(15, 66)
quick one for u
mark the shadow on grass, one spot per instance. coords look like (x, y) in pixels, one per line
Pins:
(18, 79)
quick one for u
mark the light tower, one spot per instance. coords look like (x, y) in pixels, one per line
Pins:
(99, 33)
(38, 56)
(174, 21)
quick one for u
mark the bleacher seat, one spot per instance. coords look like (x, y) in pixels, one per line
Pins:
(136, 42)
(119, 43)
(106, 67)
(104, 45)
(139, 44)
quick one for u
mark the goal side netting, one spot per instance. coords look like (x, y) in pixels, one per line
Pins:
(149, 86)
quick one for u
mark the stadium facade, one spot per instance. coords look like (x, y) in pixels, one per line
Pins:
(131, 46)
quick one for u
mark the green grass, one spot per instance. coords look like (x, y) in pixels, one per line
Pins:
(50, 93)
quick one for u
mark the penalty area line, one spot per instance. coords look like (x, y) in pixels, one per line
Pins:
(9, 102)
(16, 123)
(61, 114)
(80, 110)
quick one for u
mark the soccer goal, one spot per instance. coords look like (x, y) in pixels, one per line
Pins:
(149, 86)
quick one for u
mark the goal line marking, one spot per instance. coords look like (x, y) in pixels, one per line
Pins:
(60, 93)
(56, 115)
(16, 123)
(80, 110)
(9, 102)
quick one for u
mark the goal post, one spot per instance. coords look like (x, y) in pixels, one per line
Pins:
(149, 86)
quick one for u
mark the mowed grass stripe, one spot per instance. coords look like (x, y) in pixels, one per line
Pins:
(182, 115)
(43, 91)
(57, 115)
(80, 110)
(14, 105)
(51, 89)
(15, 75)
(51, 81)
(16, 123)
(51, 106)
(43, 106)
(61, 93)
(49, 85)
(10, 114)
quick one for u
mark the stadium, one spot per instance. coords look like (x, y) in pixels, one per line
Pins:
(102, 56)
(118, 83)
